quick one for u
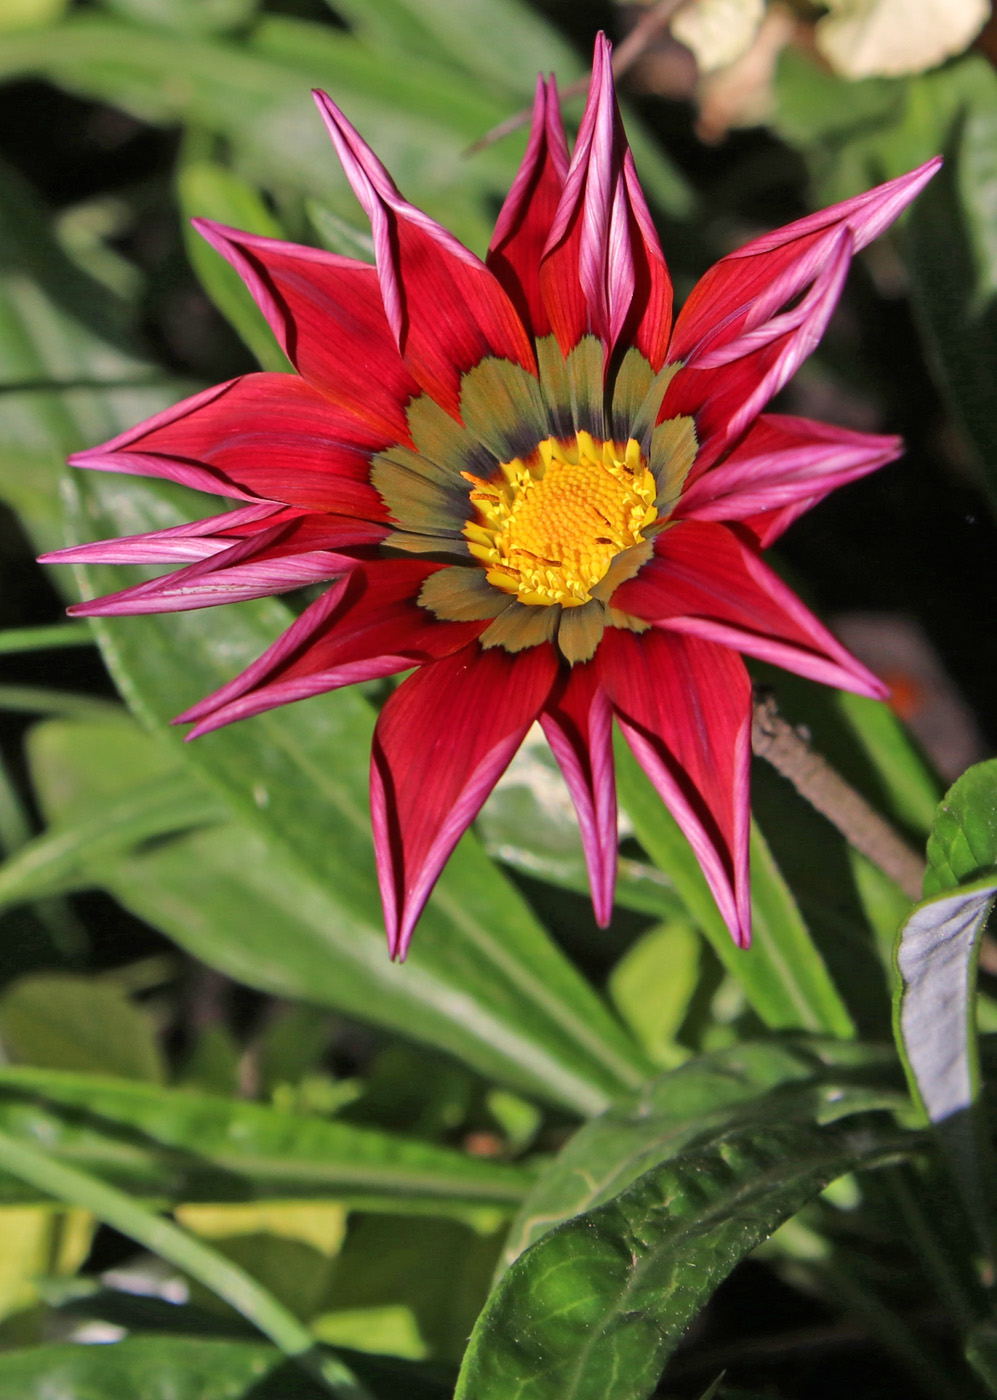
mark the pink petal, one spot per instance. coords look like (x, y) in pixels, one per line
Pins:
(728, 382)
(443, 740)
(274, 560)
(267, 436)
(365, 627)
(447, 311)
(603, 271)
(684, 707)
(706, 582)
(327, 314)
(528, 212)
(179, 544)
(578, 725)
(784, 461)
(738, 280)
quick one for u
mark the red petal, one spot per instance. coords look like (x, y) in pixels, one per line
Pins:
(267, 436)
(367, 626)
(442, 742)
(738, 280)
(447, 311)
(327, 314)
(578, 726)
(707, 583)
(784, 462)
(603, 271)
(528, 212)
(732, 376)
(685, 709)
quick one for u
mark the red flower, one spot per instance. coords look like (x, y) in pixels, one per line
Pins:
(529, 485)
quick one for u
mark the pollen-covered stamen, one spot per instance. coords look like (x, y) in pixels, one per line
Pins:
(548, 527)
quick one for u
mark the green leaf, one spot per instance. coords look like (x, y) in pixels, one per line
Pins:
(981, 1352)
(181, 1146)
(483, 978)
(783, 1081)
(963, 840)
(783, 973)
(186, 16)
(63, 1021)
(66, 857)
(595, 1308)
(70, 372)
(209, 190)
(154, 1368)
(652, 986)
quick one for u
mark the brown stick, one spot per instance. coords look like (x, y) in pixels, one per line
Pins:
(625, 55)
(790, 754)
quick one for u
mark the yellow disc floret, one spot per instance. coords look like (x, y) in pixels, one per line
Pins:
(548, 527)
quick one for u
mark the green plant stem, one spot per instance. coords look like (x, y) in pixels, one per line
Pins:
(162, 1237)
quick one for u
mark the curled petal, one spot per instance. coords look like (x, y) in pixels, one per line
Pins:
(180, 544)
(447, 311)
(705, 582)
(578, 726)
(734, 284)
(327, 315)
(684, 707)
(603, 271)
(730, 380)
(784, 462)
(275, 560)
(526, 216)
(442, 742)
(366, 626)
(263, 436)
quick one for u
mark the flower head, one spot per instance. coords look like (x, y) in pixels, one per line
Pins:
(521, 479)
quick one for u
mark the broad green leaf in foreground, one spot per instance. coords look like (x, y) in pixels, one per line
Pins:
(178, 1146)
(771, 1082)
(595, 1308)
(483, 979)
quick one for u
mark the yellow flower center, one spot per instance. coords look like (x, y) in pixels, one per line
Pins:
(548, 528)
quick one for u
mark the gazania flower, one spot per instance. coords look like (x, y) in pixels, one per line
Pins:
(520, 479)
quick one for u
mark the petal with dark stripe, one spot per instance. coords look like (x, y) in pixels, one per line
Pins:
(578, 725)
(706, 582)
(263, 436)
(526, 216)
(447, 311)
(684, 706)
(603, 271)
(367, 626)
(442, 742)
(782, 463)
(328, 317)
